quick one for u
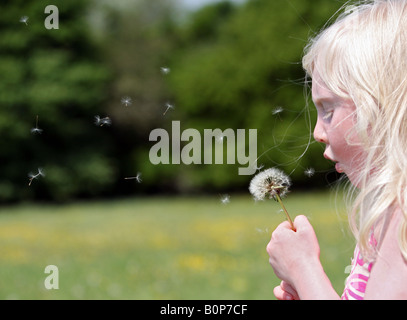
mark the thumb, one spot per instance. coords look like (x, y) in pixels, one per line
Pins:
(306, 231)
(301, 222)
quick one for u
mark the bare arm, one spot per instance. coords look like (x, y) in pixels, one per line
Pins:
(315, 285)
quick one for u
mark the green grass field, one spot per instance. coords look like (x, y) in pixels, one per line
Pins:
(159, 248)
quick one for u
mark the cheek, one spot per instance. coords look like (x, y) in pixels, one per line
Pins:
(342, 131)
(337, 136)
(344, 146)
(339, 147)
(350, 156)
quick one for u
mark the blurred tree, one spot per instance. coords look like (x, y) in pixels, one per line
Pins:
(58, 76)
(137, 40)
(240, 67)
(223, 66)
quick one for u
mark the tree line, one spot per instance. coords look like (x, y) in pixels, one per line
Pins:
(78, 103)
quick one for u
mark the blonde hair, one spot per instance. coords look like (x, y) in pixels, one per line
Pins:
(363, 56)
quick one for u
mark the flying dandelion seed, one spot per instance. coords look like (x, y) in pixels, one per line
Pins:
(260, 230)
(169, 106)
(165, 70)
(126, 101)
(137, 178)
(97, 120)
(106, 121)
(309, 172)
(273, 184)
(36, 129)
(33, 176)
(102, 121)
(258, 168)
(277, 110)
(225, 199)
(24, 19)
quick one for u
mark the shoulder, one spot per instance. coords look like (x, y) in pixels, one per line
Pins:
(388, 277)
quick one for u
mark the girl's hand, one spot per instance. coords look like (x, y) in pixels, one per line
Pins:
(293, 253)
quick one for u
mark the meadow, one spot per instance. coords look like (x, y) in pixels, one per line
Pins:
(160, 247)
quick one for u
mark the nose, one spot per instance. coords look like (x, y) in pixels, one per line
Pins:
(320, 133)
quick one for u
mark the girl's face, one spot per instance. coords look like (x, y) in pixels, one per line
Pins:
(336, 119)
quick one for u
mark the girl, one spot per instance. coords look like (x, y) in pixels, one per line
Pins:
(358, 68)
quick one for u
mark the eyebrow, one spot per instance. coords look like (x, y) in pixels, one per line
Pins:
(321, 100)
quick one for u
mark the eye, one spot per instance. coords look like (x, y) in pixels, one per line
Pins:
(328, 115)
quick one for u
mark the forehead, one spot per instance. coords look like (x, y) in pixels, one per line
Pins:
(322, 95)
(320, 90)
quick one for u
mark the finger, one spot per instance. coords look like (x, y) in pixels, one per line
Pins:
(301, 221)
(285, 224)
(281, 227)
(288, 288)
(302, 224)
(280, 294)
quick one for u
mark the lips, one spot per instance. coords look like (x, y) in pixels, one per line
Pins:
(338, 167)
(328, 158)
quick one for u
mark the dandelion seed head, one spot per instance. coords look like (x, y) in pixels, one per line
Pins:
(106, 121)
(165, 70)
(102, 121)
(269, 183)
(309, 172)
(24, 19)
(33, 176)
(258, 168)
(41, 172)
(261, 230)
(36, 130)
(97, 120)
(277, 110)
(36, 175)
(168, 106)
(137, 177)
(126, 101)
(225, 199)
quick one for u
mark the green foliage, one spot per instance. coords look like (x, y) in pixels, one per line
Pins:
(232, 66)
(237, 66)
(136, 43)
(58, 76)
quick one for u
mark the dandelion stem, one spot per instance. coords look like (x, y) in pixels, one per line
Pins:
(285, 211)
